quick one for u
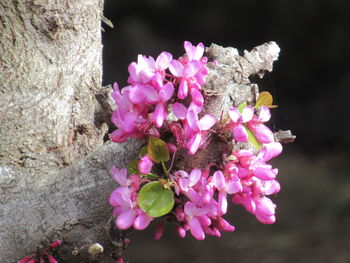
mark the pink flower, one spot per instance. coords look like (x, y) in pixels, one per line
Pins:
(194, 129)
(238, 120)
(124, 199)
(160, 113)
(262, 133)
(225, 186)
(191, 72)
(130, 119)
(146, 68)
(120, 176)
(265, 210)
(126, 210)
(186, 74)
(195, 226)
(145, 164)
(192, 52)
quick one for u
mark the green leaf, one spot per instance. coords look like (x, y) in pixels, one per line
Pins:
(154, 200)
(265, 98)
(158, 150)
(133, 167)
(143, 151)
(252, 140)
(242, 106)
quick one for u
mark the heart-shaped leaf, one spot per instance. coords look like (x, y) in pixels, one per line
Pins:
(154, 200)
(158, 150)
(143, 151)
(265, 98)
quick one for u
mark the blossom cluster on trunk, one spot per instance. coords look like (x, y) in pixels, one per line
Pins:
(163, 105)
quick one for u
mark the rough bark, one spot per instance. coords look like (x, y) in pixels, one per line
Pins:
(53, 114)
(50, 69)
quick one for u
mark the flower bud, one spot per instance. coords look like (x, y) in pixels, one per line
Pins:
(262, 133)
(159, 230)
(145, 164)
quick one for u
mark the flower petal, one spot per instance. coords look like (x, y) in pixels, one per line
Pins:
(190, 209)
(197, 97)
(264, 114)
(240, 133)
(128, 124)
(142, 221)
(234, 114)
(264, 172)
(222, 203)
(191, 69)
(120, 176)
(176, 68)
(271, 150)
(194, 143)
(233, 187)
(136, 94)
(151, 94)
(192, 120)
(207, 122)
(247, 113)
(219, 180)
(195, 175)
(196, 228)
(163, 60)
(166, 92)
(126, 219)
(262, 133)
(196, 108)
(179, 110)
(159, 115)
(183, 90)
(145, 164)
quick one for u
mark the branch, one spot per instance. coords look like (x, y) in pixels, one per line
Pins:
(72, 204)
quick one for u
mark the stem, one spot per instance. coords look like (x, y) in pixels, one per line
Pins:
(165, 170)
(152, 175)
(172, 161)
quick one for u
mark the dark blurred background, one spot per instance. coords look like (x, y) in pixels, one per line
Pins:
(310, 83)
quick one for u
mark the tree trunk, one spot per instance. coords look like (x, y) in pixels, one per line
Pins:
(50, 71)
(54, 179)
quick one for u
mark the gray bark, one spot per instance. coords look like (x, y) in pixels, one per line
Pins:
(54, 179)
(50, 70)
(50, 59)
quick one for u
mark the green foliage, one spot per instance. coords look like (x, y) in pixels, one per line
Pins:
(265, 98)
(143, 151)
(154, 200)
(158, 150)
(242, 106)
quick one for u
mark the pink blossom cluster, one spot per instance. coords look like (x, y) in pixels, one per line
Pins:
(258, 180)
(143, 105)
(240, 121)
(124, 199)
(166, 86)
